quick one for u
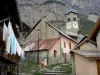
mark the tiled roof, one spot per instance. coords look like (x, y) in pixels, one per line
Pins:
(44, 44)
(87, 53)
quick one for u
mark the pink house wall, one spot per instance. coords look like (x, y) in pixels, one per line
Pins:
(52, 59)
(66, 49)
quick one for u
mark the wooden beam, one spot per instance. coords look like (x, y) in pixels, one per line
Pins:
(5, 20)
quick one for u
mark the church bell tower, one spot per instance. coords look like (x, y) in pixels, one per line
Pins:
(72, 25)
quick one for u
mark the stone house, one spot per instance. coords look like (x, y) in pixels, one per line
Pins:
(86, 54)
(49, 51)
(46, 32)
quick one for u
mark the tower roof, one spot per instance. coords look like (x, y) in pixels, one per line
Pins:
(70, 10)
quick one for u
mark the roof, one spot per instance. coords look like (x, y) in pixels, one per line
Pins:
(52, 27)
(70, 10)
(87, 53)
(44, 44)
(95, 31)
(64, 34)
(82, 41)
(28, 45)
(33, 27)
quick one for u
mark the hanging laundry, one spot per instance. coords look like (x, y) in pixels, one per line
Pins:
(15, 49)
(5, 32)
(22, 55)
(19, 49)
(13, 43)
(8, 43)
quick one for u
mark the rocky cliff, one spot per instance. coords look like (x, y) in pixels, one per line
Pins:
(54, 10)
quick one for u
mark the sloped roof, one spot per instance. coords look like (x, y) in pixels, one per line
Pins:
(33, 27)
(28, 45)
(71, 10)
(95, 31)
(88, 53)
(64, 34)
(44, 44)
(52, 27)
(82, 41)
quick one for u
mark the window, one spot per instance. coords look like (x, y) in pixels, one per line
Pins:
(69, 45)
(74, 19)
(64, 44)
(55, 53)
(68, 19)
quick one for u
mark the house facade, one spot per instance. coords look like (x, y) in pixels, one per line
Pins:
(47, 31)
(83, 58)
(86, 54)
(51, 51)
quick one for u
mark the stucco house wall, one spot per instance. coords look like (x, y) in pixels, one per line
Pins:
(52, 59)
(88, 46)
(46, 32)
(85, 46)
(32, 56)
(46, 55)
(67, 49)
(51, 32)
(98, 40)
(88, 67)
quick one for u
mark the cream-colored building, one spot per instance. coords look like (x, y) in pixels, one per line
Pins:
(86, 54)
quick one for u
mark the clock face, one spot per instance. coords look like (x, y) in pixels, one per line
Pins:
(69, 26)
(75, 25)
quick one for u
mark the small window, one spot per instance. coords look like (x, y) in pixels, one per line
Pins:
(55, 53)
(69, 45)
(68, 19)
(74, 19)
(64, 44)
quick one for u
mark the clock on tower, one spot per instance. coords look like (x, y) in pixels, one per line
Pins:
(72, 26)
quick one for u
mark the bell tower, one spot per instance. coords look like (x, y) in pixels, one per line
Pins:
(72, 25)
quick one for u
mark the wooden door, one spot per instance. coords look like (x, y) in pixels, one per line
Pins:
(98, 67)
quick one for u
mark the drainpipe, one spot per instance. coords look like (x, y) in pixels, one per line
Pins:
(38, 47)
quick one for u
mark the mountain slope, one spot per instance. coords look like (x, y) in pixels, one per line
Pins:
(54, 10)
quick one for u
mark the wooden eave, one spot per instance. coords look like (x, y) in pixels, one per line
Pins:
(95, 31)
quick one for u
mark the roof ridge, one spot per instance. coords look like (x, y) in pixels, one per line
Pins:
(61, 32)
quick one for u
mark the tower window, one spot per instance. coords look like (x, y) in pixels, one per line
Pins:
(68, 19)
(74, 19)
(64, 44)
(55, 53)
(69, 45)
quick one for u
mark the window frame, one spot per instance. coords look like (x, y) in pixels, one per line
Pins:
(68, 19)
(70, 45)
(64, 44)
(74, 19)
(55, 53)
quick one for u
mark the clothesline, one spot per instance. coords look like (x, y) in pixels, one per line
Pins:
(5, 20)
